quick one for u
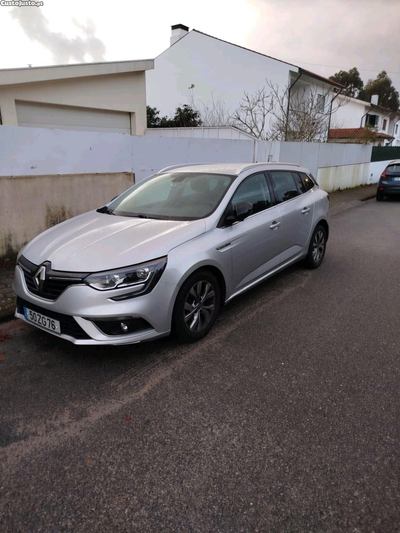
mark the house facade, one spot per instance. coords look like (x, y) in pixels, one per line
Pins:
(108, 97)
(203, 71)
(353, 116)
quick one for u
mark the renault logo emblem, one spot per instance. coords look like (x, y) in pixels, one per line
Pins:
(39, 277)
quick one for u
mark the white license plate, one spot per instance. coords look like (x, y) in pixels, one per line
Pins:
(41, 320)
(396, 179)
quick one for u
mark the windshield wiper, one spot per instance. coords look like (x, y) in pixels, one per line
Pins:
(105, 210)
(137, 215)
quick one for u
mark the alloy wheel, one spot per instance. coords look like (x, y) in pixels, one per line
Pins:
(318, 246)
(199, 306)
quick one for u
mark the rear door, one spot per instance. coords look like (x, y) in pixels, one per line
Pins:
(296, 205)
(254, 242)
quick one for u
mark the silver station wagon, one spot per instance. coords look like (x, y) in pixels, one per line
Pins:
(169, 252)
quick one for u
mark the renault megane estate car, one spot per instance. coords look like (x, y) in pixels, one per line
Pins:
(169, 252)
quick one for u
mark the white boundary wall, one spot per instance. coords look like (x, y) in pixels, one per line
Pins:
(39, 151)
(49, 175)
(376, 169)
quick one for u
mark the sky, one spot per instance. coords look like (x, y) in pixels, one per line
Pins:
(323, 36)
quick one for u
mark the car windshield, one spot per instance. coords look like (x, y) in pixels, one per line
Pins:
(174, 196)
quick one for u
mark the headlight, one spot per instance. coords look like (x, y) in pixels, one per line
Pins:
(140, 278)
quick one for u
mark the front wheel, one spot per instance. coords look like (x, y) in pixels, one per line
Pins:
(196, 307)
(316, 250)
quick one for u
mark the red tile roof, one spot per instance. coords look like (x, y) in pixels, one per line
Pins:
(354, 133)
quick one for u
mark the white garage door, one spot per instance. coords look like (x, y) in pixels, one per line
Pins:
(63, 117)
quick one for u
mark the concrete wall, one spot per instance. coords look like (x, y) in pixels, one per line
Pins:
(317, 155)
(49, 175)
(31, 204)
(376, 168)
(342, 177)
(218, 132)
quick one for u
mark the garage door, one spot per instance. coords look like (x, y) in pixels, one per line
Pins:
(31, 114)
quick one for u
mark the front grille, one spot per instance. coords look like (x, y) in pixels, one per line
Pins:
(54, 283)
(69, 326)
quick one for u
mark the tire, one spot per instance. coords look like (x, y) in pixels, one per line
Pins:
(317, 248)
(196, 307)
(379, 197)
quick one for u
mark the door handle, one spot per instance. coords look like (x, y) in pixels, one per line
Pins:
(305, 210)
(275, 225)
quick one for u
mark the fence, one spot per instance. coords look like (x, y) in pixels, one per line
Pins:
(385, 153)
(49, 175)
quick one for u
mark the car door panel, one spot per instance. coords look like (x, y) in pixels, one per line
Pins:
(254, 241)
(255, 247)
(297, 212)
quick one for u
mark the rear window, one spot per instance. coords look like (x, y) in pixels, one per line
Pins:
(308, 181)
(393, 169)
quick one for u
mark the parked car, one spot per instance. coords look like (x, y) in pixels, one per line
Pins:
(389, 182)
(169, 252)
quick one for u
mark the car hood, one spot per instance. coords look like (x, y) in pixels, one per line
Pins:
(96, 241)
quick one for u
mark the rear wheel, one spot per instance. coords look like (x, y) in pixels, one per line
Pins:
(379, 197)
(316, 250)
(196, 307)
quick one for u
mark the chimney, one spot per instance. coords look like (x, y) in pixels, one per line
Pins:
(374, 99)
(177, 32)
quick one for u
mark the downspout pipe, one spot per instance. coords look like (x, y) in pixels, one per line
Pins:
(330, 112)
(288, 103)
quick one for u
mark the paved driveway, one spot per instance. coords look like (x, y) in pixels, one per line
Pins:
(285, 418)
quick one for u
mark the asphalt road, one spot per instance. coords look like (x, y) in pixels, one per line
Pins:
(285, 418)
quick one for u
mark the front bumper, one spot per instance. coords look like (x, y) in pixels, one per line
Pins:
(79, 306)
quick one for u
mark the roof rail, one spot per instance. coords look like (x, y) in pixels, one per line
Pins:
(172, 167)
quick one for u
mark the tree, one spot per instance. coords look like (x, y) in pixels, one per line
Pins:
(153, 119)
(184, 116)
(368, 135)
(285, 114)
(213, 113)
(351, 80)
(382, 85)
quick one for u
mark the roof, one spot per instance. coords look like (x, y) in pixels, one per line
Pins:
(354, 133)
(306, 72)
(12, 76)
(225, 168)
(321, 78)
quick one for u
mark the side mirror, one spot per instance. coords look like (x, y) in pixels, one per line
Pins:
(243, 210)
(238, 213)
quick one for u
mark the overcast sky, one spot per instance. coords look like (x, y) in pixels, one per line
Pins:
(324, 36)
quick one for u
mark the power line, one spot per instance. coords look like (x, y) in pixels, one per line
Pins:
(341, 67)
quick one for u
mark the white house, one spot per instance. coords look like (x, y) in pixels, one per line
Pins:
(353, 116)
(204, 69)
(108, 97)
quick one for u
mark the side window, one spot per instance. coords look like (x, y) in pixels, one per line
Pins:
(255, 190)
(299, 182)
(284, 185)
(308, 182)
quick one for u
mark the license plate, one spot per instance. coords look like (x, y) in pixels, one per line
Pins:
(41, 320)
(396, 179)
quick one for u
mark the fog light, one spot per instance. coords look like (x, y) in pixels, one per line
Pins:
(124, 327)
